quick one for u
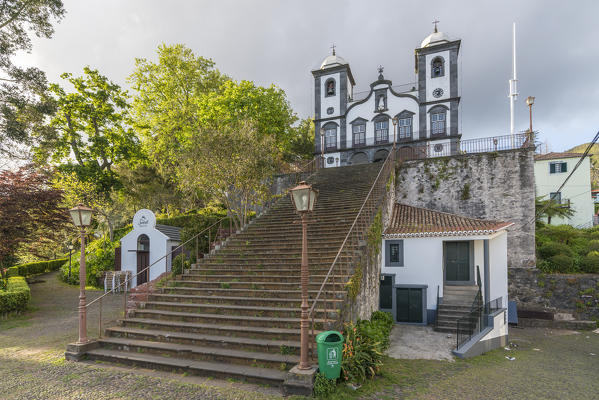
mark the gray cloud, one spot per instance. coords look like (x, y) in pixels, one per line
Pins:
(280, 42)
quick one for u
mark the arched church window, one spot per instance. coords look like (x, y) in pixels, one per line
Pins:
(437, 67)
(404, 125)
(143, 243)
(330, 87)
(330, 136)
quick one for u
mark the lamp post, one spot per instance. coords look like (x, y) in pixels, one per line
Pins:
(395, 121)
(82, 217)
(303, 198)
(530, 100)
(70, 252)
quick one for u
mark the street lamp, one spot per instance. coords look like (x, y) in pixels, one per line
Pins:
(82, 217)
(71, 247)
(395, 121)
(530, 100)
(303, 198)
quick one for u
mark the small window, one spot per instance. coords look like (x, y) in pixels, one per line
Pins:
(359, 131)
(438, 123)
(143, 243)
(558, 167)
(381, 131)
(405, 128)
(394, 253)
(330, 87)
(556, 197)
(437, 67)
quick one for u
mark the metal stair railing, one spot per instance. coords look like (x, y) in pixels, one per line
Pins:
(341, 266)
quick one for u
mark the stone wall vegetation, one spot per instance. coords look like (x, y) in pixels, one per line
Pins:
(493, 186)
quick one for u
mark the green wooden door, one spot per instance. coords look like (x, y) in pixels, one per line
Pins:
(457, 261)
(409, 305)
(386, 293)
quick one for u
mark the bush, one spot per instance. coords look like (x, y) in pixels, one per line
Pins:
(551, 249)
(594, 245)
(16, 296)
(323, 386)
(590, 263)
(38, 267)
(99, 258)
(180, 263)
(562, 263)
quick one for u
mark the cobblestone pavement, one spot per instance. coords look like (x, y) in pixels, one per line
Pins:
(548, 364)
(32, 364)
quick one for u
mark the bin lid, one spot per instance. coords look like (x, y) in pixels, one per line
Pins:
(329, 337)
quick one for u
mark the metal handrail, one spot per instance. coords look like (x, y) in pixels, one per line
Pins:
(390, 158)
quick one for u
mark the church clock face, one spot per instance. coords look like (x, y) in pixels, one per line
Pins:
(438, 92)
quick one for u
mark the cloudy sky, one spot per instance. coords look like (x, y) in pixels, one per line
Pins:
(281, 41)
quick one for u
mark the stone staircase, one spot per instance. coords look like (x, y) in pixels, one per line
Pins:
(457, 303)
(237, 313)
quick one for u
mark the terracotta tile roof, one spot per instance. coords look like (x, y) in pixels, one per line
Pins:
(408, 221)
(554, 156)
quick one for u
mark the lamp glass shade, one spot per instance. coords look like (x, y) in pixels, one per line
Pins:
(81, 215)
(394, 120)
(530, 100)
(303, 197)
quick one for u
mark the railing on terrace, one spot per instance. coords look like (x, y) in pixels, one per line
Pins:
(468, 146)
(346, 257)
(301, 173)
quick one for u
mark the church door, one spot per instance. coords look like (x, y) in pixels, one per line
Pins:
(143, 258)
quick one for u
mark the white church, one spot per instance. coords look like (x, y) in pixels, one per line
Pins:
(357, 128)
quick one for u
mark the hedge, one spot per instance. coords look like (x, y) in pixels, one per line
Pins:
(36, 267)
(16, 296)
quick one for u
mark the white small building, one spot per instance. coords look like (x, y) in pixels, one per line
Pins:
(147, 244)
(551, 170)
(433, 260)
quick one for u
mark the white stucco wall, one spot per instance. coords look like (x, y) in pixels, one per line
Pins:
(331, 101)
(440, 82)
(577, 190)
(159, 246)
(498, 268)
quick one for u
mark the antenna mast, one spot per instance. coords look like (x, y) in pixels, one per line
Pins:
(513, 82)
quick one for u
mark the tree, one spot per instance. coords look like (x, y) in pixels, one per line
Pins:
(165, 107)
(90, 131)
(24, 103)
(28, 203)
(232, 165)
(550, 208)
(302, 142)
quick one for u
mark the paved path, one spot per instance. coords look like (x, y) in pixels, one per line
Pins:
(32, 364)
(420, 342)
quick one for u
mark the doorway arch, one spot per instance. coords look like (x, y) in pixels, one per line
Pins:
(143, 258)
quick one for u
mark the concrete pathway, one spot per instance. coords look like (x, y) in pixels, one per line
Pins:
(420, 342)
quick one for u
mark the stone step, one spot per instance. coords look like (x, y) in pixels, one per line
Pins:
(204, 368)
(237, 310)
(249, 277)
(292, 284)
(256, 293)
(261, 332)
(271, 322)
(201, 353)
(196, 339)
(232, 300)
(250, 270)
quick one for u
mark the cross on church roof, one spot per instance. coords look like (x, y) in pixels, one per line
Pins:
(380, 69)
(333, 47)
(435, 22)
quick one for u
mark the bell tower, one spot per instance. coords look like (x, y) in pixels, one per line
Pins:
(333, 89)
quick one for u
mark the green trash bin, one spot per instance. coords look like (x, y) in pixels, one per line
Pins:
(330, 353)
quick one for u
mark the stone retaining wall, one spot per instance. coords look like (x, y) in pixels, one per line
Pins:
(577, 294)
(496, 186)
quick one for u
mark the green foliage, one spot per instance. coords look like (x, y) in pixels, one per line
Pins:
(549, 208)
(180, 263)
(37, 267)
(465, 194)
(594, 245)
(99, 258)
(564, 249)
(364, 346)
(323, 386)
(590, 263)
(16, 296)
(355, 283)
(551, 249)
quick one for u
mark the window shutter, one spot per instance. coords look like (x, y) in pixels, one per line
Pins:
(552, 168)
(564, 167)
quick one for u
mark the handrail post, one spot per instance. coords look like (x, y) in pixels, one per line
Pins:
(100, 321)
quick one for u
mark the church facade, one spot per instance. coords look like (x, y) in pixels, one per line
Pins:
(354, 128)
